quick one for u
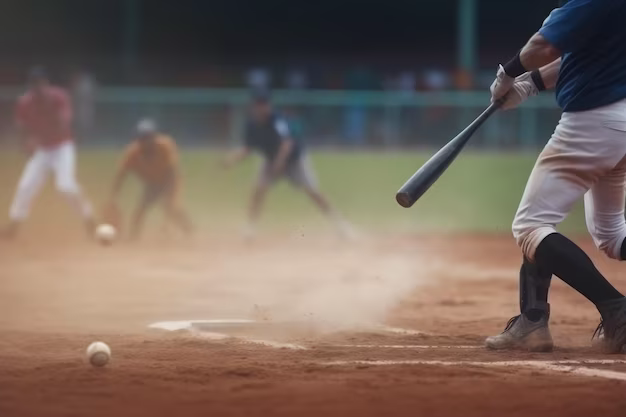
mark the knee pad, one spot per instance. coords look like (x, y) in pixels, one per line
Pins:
(529, 236)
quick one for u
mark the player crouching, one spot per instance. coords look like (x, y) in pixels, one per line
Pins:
(153, 158)
(284, 157)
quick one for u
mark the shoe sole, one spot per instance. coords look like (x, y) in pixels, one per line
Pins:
(531, 343)
(546, 348)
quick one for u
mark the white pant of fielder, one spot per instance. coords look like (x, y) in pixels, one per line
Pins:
(61, 161)
(586, 156)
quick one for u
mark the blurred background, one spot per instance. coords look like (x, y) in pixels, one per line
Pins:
(358, 73)
(354, 77)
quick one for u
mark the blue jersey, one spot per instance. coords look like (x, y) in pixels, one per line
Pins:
(591, 34)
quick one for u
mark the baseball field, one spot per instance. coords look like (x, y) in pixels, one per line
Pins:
(297, 322)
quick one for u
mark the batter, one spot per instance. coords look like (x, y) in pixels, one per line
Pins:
(580, 50)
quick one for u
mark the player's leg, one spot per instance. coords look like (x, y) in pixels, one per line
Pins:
(64, 166)
(31, 181)
(604, 212)
(530, 329)
(150, 196)
(257, 199)
(579, 152)
(174, 211)
(301, 175)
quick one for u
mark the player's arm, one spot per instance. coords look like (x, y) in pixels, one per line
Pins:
(567, 29)
(549, 74)
(173, 164)
(118, 181)
(285, 149)
(120, 175)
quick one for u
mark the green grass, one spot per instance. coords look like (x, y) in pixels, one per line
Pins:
(479, 192)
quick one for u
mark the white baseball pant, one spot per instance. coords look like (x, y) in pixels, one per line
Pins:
(586, 156)
(61, 161)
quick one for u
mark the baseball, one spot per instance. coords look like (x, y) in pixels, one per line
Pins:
(105, 234)
(98, 354)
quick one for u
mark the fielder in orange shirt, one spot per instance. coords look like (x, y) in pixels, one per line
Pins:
(153, 158)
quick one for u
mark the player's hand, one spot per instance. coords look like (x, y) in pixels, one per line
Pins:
(522, 89)
(502, 84)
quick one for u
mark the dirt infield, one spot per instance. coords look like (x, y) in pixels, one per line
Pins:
(387, 326)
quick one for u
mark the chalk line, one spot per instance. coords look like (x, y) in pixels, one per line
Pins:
(564, 366)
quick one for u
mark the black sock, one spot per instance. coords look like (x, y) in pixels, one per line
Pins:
(566, 260)
(622, 252)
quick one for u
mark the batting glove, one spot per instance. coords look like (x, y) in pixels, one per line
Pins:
(501, 85)
(523, 88)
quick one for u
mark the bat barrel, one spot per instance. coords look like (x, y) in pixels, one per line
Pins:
(426, 176)
(404, 199)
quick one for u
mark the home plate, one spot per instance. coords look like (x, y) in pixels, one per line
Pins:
(202, 324)
(219, 329)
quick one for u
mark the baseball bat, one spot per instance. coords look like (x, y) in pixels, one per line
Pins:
(426, 176)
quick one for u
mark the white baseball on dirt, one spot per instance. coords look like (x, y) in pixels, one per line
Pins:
(106, 234)
(98, 354)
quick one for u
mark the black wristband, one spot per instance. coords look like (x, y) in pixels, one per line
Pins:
(536, 77)
(514, 67)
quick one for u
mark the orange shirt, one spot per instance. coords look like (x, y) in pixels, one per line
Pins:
(156, 165)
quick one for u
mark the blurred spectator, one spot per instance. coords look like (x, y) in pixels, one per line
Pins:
(297, 79)
(436, 79)
(463, 80)
(83, 91)
(407, 82)
(259, 79)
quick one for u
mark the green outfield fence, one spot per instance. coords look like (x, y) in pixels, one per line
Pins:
(324, 118)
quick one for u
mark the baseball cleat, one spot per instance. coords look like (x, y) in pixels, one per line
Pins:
(523, 334)
(611, 332)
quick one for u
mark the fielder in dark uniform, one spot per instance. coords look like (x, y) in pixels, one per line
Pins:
(284, 156)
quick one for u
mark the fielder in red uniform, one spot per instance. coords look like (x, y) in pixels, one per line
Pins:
(44, 117)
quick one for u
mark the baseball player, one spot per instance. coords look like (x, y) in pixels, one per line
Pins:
(153, 158)
(44, 118)
(284, 156)
(580, 50)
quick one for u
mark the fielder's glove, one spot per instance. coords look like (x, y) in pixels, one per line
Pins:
(520, 90)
